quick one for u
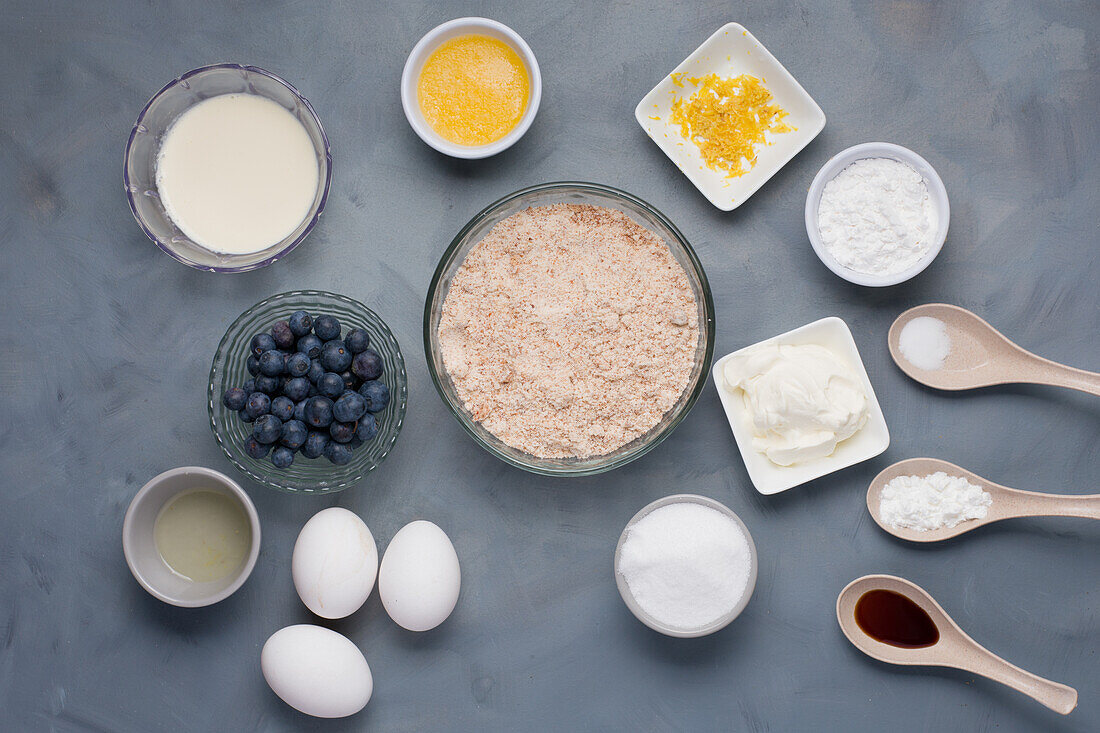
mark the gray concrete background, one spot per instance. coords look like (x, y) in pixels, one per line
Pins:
(107, 342)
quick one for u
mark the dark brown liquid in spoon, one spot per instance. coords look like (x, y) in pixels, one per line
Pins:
(893, 619)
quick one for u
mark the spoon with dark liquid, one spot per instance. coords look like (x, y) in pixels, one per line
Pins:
(895, 621)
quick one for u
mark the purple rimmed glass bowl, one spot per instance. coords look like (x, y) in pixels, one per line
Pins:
(179, 95)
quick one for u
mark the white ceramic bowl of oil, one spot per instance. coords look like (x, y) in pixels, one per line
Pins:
(191, 536)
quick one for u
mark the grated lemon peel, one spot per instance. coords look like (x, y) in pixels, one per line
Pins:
(727, 119)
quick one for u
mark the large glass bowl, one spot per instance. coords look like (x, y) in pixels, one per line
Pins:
(573, 193)
(178, 96)
(306, 475)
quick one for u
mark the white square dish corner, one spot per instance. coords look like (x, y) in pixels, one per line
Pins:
(731, 51)
(874, 438)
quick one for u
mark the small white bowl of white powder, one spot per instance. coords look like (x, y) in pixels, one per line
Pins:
(686, 565)
(877, 214)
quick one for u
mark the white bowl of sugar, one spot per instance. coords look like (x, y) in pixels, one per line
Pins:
(877, 214)
(685, 565)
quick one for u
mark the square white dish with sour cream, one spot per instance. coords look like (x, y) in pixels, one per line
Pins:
(765, 417)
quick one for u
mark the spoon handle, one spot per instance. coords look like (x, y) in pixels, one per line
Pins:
(1056, 696)
(1032, 504)
(1044, 371)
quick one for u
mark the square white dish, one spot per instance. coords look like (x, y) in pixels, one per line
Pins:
(874, 438)
(731, 51)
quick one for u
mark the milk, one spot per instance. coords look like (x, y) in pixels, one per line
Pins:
(237, 173)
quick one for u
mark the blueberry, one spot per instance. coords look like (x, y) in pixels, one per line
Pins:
(300, 411)
(268, 385)
(316, 371)
(310, 345)
(338, 453)
(255, 448)
(252, 364)
(245, 417)
(357, 340)
(331, 385)
(283, 408)
(326, 328)
(234, 398)
(300, 323)
(349, 407)
(318, 412)
(367, 428)
(267, 428)
(297, 364)
(368, 365)
(294, 434)
(376, 394)
(354, 443)
(313, 391)
(272, 363)
(249, 387)
(282, 457)
(296, 389)
(351, 381)
(282, 334)
(342, 432)
(315, 444)
(260, 343)
(258, 404)
(335, 357)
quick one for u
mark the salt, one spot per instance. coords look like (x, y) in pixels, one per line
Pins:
(687, 565)
(936, 501)
(924, 343)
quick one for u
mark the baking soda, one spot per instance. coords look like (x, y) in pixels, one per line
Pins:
(936, 501)
(686, 565)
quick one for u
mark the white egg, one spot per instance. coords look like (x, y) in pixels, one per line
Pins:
(419, 578)
(317, 671)
(335, 563)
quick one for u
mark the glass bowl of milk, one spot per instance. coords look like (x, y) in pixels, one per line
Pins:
(227, 168)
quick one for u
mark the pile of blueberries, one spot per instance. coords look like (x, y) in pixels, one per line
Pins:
(311, 391)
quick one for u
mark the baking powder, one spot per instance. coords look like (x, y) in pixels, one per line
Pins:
(686, 565)
(937, 501)
(876, 217)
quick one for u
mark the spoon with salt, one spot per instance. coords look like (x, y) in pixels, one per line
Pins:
(1007, 503)
(946, 646)
(980, 356)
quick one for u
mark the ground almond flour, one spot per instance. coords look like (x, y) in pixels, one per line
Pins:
(569, 330)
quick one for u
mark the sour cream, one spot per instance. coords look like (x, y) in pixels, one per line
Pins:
(237, 173)
(803, 400)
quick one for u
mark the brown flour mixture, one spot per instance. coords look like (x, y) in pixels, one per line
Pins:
(569, 330)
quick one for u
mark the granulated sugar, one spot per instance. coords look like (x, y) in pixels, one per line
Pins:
(686, 565)
(936, 501)
(569, 330)
(924, 343)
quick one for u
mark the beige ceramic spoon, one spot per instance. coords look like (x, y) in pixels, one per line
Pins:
(953, 649)
(1007, 503)
(980, 356)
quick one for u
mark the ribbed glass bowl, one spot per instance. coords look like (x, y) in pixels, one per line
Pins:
(317, 475)
(570, 192)
(166, 106)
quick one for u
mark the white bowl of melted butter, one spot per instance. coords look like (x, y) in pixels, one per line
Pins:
(191, 536)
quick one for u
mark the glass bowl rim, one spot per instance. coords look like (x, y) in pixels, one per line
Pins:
(706, 330)
(400, 413)
(314, 216)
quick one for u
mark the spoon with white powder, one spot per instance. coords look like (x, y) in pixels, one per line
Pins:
(874, 604)
(948, 347)
(928, 500)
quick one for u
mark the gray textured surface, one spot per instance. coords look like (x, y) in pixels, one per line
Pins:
(107, 343)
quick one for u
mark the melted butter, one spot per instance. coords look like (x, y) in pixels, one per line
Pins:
(203, 535)
(473, 90)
